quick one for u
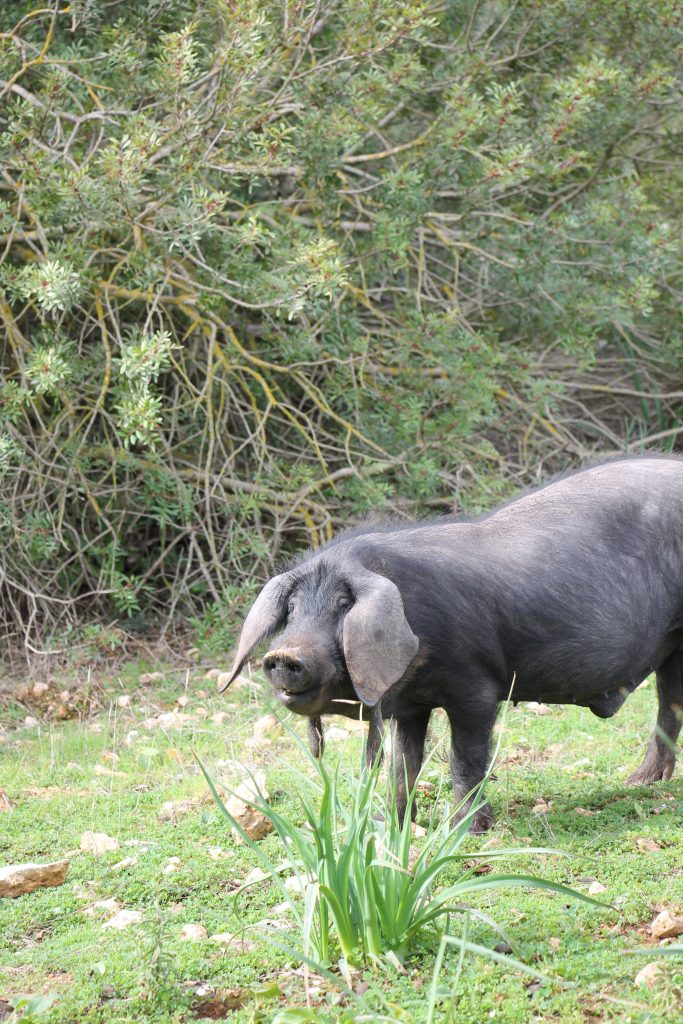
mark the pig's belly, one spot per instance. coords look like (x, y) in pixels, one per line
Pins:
(572, 672)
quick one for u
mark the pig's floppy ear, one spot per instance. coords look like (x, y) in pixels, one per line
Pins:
(266, 614)
(378, 642)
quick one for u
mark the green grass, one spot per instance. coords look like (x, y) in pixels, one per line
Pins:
(568, 762)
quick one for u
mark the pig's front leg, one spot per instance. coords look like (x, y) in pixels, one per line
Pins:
(471, 729)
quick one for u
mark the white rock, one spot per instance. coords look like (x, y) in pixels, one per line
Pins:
(213, 673)
(108, 906)
(217, 853)
(39, 689)
(98, 843)
(123, 865)
(150, 677)
(648, 976)
(18, 879)
(30, 722)
(172, 867)
(595, 888)
(123, 701)
(124, 919)
(194, 933)
(268, 724)
(336, 733)
(667, 925)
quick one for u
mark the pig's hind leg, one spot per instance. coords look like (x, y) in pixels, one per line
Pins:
(660, 758)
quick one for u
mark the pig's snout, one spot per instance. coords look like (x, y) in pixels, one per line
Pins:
(287, 671)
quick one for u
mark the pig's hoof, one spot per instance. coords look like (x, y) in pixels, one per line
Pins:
(479, 822)
(482, 821)
(660, 770)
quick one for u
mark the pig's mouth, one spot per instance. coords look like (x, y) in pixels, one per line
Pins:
(298, 700)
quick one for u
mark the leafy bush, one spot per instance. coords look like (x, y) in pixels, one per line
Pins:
(266, 265)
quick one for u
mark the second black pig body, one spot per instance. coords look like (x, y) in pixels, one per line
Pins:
(572, 593)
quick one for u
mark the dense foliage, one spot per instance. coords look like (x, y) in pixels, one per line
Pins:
(267, 265)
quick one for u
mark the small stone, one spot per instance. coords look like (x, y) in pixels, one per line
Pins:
(542, 807)
(595, 888)
(98, 843)
(123, 865)
(666, 925)
(172, 866)
(183, 701)
(648, 976)
(39, 689)
(123, 701)
(255, 875)
(647, 845)
(30, 722)
(219, 717)
(269, 724)
(172, 809)
(335, 733)
(418, 830)
(193, 933)
(124, 919)
(65, 695)
(100, 769)
(151, 677)
(227, 939)
(202, 694)
(216, 853)
(131, 737)
(18, 879)
(213, 673)
(108, 906)
(201, 713)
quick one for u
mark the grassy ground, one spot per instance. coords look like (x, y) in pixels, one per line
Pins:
(559, 784)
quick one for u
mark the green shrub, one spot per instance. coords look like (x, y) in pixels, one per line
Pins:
(264, 266)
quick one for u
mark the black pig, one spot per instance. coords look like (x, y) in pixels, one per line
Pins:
(574, 591)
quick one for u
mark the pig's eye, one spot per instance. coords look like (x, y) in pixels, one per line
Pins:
(344, 604)
(291, 606)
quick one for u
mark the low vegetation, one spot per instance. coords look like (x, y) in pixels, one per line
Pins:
(201, 943)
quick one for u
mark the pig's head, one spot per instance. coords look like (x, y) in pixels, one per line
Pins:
(341, 634)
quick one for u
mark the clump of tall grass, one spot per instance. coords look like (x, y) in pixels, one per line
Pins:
(364, 892)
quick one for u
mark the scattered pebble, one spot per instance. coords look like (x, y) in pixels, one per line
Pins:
(268, 724)
(30, 722)
(335, 733)
(667, 925)
(647, 845)
(172, 866)
(123, 865)
(219, 717)
(193, 933)
(123, 701)
(39, 689)
(107, 906)
(124, 919)
(595, 888)
(213, 673)
(648, 976)
(151, 677)
(98, 843)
